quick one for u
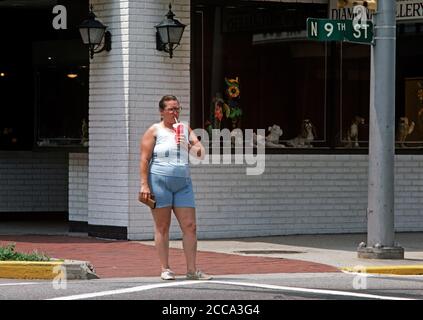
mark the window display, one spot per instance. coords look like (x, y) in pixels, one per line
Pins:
(240, 82)
(262, 72)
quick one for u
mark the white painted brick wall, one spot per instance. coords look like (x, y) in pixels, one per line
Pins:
(297, 194)
(78, 187)
(33, 181)
(108, 121)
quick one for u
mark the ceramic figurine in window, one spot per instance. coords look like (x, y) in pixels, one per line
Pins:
(352, 132)
(272, 139)
(306, 136)
(405, 128)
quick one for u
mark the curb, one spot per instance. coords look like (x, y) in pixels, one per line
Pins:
(395, 270)
(47, 270)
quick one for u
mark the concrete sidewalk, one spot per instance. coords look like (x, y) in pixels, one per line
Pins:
(278, 254)
(337, 250)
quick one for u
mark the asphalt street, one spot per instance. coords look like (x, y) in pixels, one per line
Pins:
(274, 287)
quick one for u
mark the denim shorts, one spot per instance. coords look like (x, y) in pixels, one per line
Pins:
(172, 191)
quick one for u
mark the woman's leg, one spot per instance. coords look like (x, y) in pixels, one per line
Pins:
(186, 219)
(161, 218)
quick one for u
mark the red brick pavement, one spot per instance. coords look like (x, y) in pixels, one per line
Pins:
(113, 259)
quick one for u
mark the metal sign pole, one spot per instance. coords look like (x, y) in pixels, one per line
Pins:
(380, 212)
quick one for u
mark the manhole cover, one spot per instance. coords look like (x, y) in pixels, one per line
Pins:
(268, 252)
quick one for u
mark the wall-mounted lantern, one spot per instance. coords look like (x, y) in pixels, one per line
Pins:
(169, 33)
(93, 32)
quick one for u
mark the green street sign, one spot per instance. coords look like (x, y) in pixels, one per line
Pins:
(339, 30)
(361, 33)
(325, 29)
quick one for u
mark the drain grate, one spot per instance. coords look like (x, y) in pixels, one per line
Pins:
(269, 252)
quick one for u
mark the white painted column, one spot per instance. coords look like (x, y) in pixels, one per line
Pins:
(108, 123)
(125, 87)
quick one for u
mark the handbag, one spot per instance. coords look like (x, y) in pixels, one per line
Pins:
(149, 201)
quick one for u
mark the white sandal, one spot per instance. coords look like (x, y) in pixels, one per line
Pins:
(198, 275)
(167, 274)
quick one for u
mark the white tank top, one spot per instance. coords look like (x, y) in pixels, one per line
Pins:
(168, 159)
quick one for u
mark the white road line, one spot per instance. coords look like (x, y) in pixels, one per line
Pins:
(126, 290)
(18, 284)
(245, 284)
(318, 291)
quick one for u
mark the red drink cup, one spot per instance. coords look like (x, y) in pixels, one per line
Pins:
(179, 130)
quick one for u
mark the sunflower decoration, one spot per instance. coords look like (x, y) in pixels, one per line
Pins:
(233, 88)
(226, 113)
(233, 92)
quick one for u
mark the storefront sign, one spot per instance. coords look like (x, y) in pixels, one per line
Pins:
(409, 10)
(261, 38)
(406, 10)
(248, 19)
(343, 13)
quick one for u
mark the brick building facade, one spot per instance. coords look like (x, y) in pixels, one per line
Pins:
(299, 193)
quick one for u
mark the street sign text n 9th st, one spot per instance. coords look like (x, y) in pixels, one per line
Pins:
(339, 30)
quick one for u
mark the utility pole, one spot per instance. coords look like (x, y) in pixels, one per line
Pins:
(380, 211)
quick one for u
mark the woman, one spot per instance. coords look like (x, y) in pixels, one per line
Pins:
(165, 173)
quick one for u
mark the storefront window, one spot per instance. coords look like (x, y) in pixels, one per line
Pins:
(284, 79)
(352, 107)
(409, 94)
(260, 52)
(16, 107)
(61, 108)
(43, 76)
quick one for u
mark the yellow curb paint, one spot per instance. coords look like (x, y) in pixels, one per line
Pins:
(396, 270)
(30, 269)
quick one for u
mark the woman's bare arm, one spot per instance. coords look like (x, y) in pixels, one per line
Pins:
(146, 150)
